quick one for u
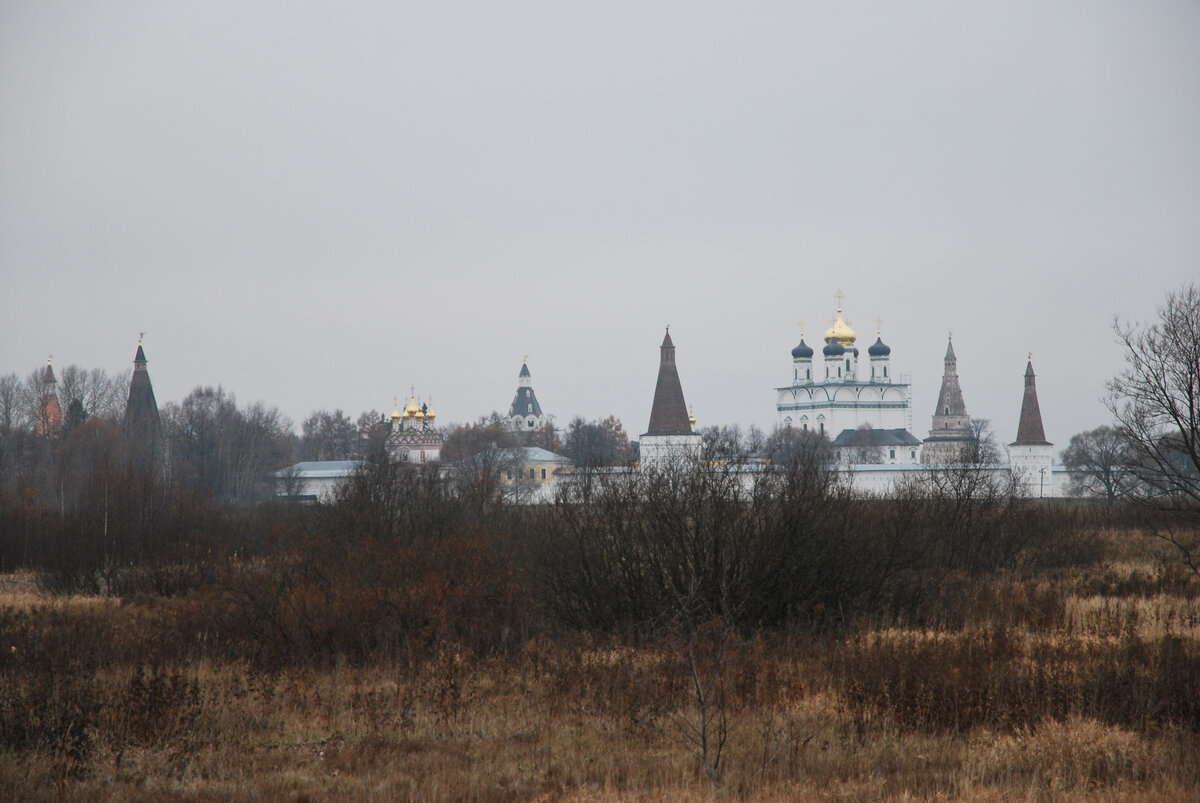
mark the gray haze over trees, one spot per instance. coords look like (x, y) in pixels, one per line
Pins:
(321, 205)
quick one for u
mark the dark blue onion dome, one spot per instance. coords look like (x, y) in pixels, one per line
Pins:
(803, 351)
(879, 348)
(856, 352)
(834, 349)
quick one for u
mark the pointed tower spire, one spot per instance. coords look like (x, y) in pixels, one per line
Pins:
(950, 434)
(142, 424)
(1029, 428)
(950, 399)
(669, 413)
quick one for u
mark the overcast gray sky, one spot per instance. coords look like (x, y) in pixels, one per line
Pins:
(321, 204)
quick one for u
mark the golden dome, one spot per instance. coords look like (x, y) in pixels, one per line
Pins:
(840, 331)
(692, 417)
(412, 409)
(395, 410)
(429, 413)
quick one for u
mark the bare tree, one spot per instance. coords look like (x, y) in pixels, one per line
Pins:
(544, 437)
(372, 432)
(1099, 461)
(231, 453)
(328, 435)
(730, 443)
(11, 413)
(1155, 400)
(31, 401)
(595, 444)
(788, 446)
(94, 393)
(982, 449)
(864, 446)
(484, 460)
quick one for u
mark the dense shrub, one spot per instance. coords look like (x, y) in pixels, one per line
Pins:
(626, 552)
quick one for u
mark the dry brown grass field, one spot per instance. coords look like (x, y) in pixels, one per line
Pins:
(1083, 684)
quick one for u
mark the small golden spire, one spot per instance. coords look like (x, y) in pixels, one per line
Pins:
(878, 326)
(49, 359)
(692, 416)
(140, 336)
(395, 408)
(801, 328)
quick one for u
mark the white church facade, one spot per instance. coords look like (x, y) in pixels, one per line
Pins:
(848, 401)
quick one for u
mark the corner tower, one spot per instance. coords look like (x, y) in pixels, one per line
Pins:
(1030, 455)
(142, 425)
(669, 436)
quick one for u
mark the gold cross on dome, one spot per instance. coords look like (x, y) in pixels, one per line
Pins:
(140, 336)
(801, 328)
(839, 295)
(878, 326)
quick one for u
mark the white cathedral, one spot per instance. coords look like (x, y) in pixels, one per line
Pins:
(831, 398)
(873, 413)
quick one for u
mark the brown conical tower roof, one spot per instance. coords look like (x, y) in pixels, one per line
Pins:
(1029, 428)
(669, 414)
(142, 424)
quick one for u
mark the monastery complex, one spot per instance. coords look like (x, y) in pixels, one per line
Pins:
(863, 406)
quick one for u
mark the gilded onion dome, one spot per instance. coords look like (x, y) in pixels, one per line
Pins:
(840, 331)
(429, 413)
(412, 410)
